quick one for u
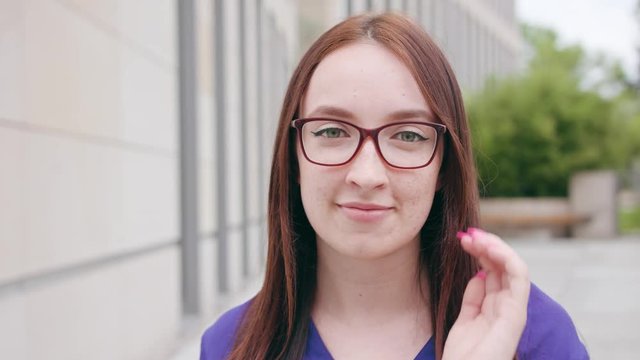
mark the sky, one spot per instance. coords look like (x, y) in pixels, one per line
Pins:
(607, 26)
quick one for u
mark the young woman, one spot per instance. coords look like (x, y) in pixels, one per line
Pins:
(372, 203)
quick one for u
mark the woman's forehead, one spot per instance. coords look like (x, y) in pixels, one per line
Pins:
(363, 78)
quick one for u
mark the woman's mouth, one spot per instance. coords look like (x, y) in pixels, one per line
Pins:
(365, 212)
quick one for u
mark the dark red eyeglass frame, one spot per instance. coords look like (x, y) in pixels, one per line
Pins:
(364, 134)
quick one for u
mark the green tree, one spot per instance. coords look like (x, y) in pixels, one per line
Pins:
(533, 130)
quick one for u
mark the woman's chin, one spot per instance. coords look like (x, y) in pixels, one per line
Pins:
(364, 247)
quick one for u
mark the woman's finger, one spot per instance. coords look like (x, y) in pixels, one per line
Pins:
(502, 264)
(516, 271)
(473, 298)
(477, 247)
(498, 251)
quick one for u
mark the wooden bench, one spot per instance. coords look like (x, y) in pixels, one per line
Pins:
(529, 221)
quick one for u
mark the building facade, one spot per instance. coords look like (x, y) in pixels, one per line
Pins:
(481, 38)
(134, 146)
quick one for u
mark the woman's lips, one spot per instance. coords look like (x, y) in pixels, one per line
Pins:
(363, 212)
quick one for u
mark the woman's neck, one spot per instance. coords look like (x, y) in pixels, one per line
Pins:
(362, 291)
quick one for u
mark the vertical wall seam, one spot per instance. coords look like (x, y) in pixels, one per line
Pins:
(220, 145)
(260, 114)
(187, 79)
(244, 139)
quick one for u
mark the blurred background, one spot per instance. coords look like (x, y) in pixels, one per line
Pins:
(136, 137)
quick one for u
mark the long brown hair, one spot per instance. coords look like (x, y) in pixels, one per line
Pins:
(275, 323)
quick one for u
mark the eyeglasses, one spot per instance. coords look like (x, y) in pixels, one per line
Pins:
(403, 145)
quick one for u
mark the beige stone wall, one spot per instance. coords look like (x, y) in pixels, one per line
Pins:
(89, 191)
(90, 259)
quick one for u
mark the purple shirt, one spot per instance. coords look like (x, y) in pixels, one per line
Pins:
(548, 334)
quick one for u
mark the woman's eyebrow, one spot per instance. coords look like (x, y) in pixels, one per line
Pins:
(328, 110)
(410, 114)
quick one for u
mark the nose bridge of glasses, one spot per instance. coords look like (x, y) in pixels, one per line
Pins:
(369, 135)
(369, 138)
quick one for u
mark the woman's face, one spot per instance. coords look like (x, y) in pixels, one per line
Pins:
(365, 84)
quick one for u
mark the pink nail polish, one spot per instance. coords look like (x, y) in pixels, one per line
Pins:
(473, 231)
(482, 274)
(460, 234)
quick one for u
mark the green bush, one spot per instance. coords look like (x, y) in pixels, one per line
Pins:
(629, 220)
(532, 131)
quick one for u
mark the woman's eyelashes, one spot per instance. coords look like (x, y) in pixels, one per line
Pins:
(408, 136)
(330, 133)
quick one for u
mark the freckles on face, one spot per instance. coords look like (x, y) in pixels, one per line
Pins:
(365, 208)
(415, 192)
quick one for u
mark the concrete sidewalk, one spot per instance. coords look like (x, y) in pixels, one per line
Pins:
(597, 282)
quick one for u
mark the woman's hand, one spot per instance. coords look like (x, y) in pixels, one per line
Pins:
(494, 306)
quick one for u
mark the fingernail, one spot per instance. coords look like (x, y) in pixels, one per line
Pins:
(460, 234)
(481, 274)
(473, 230)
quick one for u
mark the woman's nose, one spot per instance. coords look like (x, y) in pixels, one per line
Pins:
(367, 169)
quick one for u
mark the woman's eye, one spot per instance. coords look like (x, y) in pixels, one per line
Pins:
(331, 133)
(409, 136)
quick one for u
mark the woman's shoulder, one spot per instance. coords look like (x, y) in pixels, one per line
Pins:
(549, 332)
(218, 338)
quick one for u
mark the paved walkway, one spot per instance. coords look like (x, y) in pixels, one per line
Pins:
(597, 281)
